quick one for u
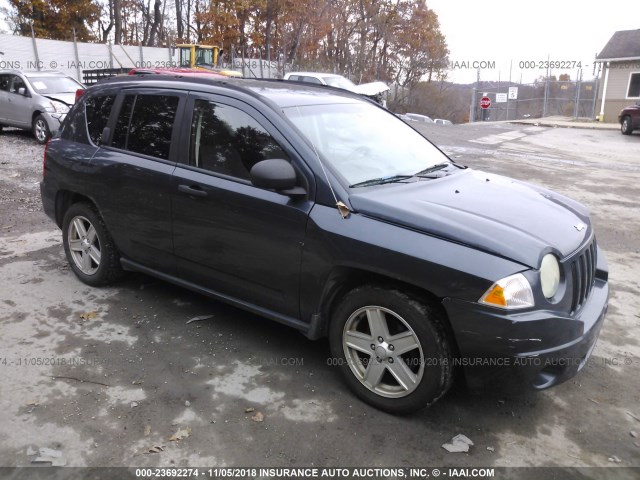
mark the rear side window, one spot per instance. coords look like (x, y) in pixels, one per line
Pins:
(226, 140)
(310, 80)
(98, 110)
(145, 124)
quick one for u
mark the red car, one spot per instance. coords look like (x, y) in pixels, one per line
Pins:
(629, 119)
(174, 71)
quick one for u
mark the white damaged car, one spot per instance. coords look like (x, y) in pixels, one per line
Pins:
(374, 90)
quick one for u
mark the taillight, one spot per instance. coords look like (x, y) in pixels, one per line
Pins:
(79, 93)
(44, 159)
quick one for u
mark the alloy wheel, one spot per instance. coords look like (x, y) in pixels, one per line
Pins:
(383, 351)
(84, 245)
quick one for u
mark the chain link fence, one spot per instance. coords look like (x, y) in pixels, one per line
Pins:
(575, 99)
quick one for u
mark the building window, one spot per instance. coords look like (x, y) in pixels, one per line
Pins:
(634, 86)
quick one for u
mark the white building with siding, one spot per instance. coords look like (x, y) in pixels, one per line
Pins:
(620, 74)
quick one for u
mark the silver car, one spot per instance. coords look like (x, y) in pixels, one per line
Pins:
(36, 101)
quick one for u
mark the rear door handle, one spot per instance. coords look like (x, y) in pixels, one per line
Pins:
(192, 190)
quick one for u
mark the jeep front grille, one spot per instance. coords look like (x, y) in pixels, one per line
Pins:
(583, 274)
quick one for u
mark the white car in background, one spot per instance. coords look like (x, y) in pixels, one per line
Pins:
(416, 117)
(36, 101)
(442, 121)
(374, 90)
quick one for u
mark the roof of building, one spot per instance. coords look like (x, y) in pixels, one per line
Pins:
(623, 45)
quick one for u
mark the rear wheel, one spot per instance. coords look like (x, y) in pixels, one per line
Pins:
(41, 130)
(391, 348)
(89, 247)
(626, 127)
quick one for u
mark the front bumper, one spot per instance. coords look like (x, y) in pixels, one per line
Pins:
(54, 120)
(534, 350)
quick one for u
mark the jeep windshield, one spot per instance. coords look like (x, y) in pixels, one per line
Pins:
(364, 143)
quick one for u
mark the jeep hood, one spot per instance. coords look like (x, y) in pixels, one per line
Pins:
(496, 214)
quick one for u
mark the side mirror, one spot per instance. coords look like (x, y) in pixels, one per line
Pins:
(22, 91)
(278, 175)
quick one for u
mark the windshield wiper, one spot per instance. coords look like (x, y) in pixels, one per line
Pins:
(382, 180)
(433, 168)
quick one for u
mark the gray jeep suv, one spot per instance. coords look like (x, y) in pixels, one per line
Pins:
(36, 101)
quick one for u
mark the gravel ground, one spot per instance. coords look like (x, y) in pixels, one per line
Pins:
(158, 375)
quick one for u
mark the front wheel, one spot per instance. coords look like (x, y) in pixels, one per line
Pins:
(392, 349)
(626, 127)
(41, 130)
(89, 248)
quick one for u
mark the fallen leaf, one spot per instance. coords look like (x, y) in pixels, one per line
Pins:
(155, 449)
(181, 434)
(88, 315)
(258, 417)
(632, 415)
(147, 430)
(458, 444)
(249, 410)
(200, 318)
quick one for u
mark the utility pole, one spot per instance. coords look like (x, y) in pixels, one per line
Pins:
(576, 108)
(472, 108)
(546, 91)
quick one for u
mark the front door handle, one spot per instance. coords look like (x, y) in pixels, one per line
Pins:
(192, 190)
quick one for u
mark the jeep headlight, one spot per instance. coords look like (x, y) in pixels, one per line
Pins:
(549, 275)
(511, 292)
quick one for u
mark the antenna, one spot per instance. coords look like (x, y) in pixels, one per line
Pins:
(342, 208)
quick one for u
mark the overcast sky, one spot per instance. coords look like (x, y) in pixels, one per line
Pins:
(508, 31)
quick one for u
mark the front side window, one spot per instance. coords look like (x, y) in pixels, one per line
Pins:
(145, 124)
(18, 83)
(226, 140)
(634, 86)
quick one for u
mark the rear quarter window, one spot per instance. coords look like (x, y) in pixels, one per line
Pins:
(87, 119)
(74, 127)
(97, 110)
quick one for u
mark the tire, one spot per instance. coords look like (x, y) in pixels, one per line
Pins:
(40, 130)
(392, 349)
(626, 126)
(89, 248)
